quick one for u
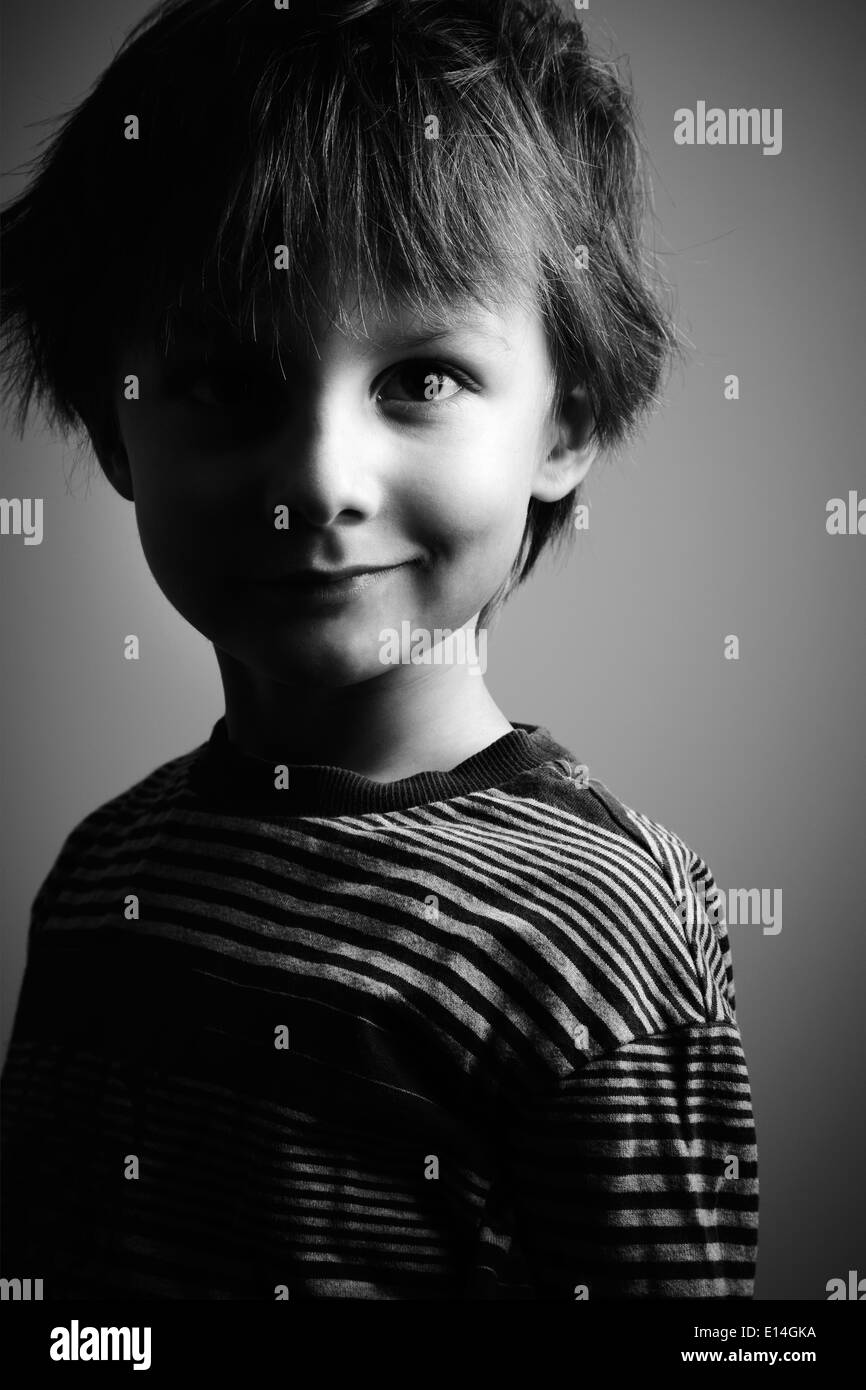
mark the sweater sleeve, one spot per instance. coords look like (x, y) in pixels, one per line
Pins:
(635, 1176)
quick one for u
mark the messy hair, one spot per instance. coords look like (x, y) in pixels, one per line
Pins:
(310, 126)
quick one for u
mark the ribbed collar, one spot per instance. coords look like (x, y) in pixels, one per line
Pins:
(227, 778)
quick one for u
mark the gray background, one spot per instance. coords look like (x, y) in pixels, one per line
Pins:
(714, 524)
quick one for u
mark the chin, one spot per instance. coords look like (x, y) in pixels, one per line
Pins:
(322, 665)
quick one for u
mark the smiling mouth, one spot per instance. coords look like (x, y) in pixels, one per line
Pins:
(323, 588)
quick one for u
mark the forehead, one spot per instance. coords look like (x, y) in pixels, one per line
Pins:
(375, 326)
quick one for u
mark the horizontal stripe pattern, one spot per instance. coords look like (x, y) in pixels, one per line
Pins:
(513, 1066)
(637, 1175)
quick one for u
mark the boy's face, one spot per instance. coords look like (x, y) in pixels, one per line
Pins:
(420, 456)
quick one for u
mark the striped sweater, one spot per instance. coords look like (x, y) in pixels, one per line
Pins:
(466, 1035)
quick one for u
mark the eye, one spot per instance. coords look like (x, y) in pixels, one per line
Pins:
(427, 382)
(215, 386)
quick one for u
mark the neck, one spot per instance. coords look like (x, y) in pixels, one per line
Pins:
(410, 719)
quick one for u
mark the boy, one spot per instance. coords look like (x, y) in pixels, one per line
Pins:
(374, 994)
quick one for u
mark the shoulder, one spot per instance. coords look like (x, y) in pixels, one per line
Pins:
(158, 790)
(695, 896)
(682, 867)
(574, 807)
(633, 926)
(114, 822)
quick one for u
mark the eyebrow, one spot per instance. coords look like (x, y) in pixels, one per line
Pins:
(217, 335)
(439, 334)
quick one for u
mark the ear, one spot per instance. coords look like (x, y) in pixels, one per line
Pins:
(109, 450)
(572, 448)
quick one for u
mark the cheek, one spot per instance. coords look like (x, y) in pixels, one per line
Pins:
(477, 496)
(185, 511)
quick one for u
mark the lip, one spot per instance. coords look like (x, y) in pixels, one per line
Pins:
(323, 576)
(330, 586)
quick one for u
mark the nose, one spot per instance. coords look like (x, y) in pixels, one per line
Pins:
(325, 465)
